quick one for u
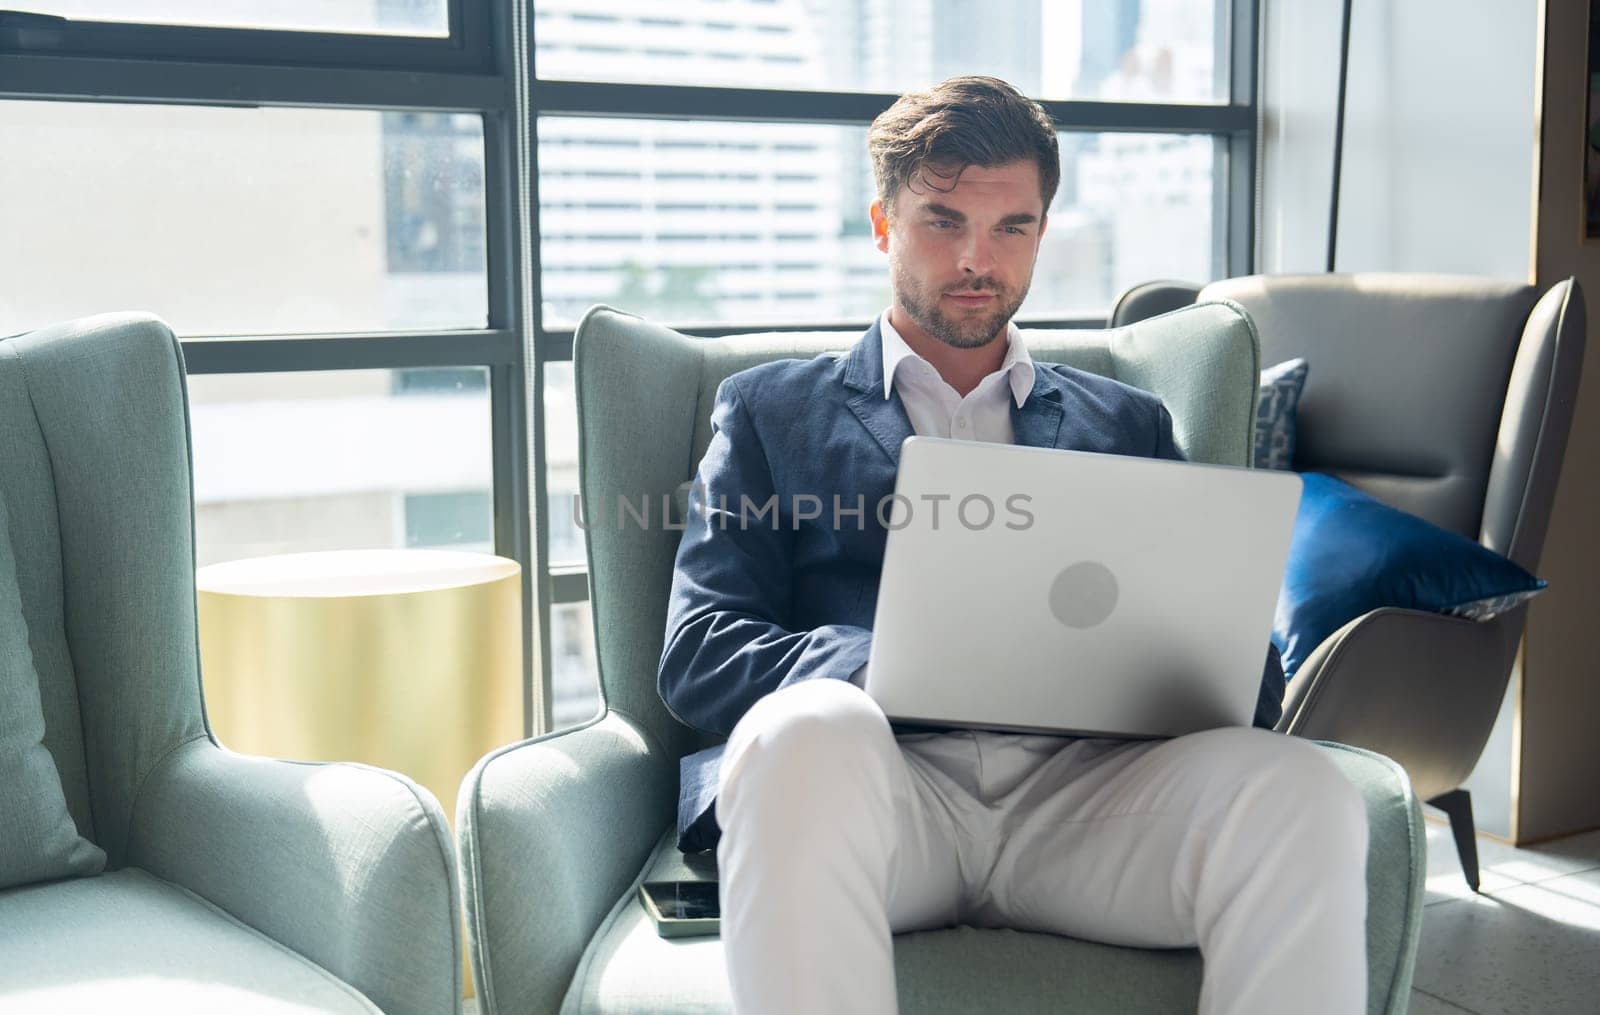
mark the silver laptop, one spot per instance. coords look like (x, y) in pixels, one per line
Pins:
(1068, 592)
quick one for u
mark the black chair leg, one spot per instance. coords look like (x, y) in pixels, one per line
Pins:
(1458, 804)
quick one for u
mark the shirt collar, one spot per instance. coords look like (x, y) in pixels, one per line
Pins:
(1017, 365)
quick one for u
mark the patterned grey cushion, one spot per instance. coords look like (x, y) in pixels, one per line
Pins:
(1275, 408)
(38, 840)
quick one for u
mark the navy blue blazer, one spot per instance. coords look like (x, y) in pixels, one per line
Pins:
(785, 596)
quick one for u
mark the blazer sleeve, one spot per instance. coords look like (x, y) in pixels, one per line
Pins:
(728, 640)
(1269, 701)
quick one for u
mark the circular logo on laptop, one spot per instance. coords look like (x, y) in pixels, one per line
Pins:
(1083, 594)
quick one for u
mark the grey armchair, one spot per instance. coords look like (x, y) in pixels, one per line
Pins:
(557, 832)
(1449, 397)
(236, 883)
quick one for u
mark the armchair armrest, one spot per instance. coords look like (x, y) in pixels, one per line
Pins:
(552, 831)
(1396, 873)
(1421, 688)
(348, 865)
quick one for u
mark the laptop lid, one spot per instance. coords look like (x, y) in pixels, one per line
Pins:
(1064, 591)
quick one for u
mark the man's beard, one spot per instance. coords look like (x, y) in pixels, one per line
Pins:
(967, 333)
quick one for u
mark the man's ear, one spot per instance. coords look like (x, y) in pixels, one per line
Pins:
(880, 226)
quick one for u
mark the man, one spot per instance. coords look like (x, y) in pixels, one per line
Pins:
(836, 832)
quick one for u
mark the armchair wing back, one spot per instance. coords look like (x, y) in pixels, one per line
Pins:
(96, 471)
(332, 884)
(1446, 396)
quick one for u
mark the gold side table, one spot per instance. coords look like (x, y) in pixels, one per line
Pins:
(405, 659)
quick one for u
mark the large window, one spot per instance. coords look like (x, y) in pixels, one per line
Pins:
(243, 221)
(765, 223)
(320, 196)
(340, 459)
(374, 223)
(703, 163)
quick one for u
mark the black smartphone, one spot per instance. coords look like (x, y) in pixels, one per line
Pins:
(682, 908)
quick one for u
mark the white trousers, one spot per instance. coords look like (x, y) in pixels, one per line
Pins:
(836, 835)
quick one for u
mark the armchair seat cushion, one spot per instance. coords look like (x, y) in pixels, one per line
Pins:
(128, 941)
(629, 968)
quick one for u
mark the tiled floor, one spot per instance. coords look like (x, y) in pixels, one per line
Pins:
(1530, 942)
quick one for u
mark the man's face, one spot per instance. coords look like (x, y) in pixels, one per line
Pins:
(961, 257)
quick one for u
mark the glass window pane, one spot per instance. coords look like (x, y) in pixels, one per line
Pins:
(574, 677)
(367, 17)
(242, 221)
(1131, 208)
(340, 460)
(561, 466)
(1128, 50)
(575, 695)
(762, 223)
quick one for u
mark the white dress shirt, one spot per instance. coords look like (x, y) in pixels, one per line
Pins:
(937, 410)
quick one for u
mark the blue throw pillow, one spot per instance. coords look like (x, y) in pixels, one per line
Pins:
(1278, 398)
(1352, 554)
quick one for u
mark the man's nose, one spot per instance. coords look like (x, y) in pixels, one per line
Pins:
(977, 254)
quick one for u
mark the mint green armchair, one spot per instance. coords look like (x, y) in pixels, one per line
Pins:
(557, 832)
(232, 883)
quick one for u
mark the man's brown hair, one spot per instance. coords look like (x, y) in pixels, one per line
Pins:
(961, 122)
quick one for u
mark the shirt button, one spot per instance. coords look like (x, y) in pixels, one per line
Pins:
(961, 424)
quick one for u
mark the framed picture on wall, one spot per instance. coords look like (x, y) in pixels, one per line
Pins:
(1591, 157)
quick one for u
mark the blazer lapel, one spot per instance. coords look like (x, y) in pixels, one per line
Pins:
(884, 418)
(1037, 423)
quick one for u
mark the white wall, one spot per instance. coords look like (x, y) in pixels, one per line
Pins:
(1299, 80)
(1439, 136)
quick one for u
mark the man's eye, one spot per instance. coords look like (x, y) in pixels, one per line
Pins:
(1016, 230)
(943, 224)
